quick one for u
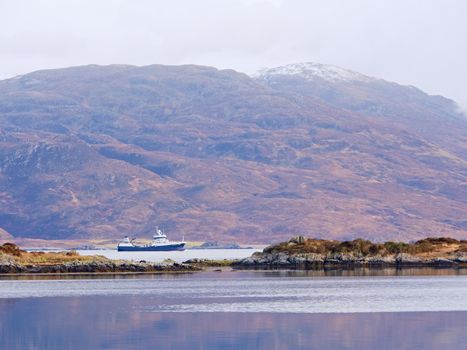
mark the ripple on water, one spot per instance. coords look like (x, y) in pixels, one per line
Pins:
(256, 292)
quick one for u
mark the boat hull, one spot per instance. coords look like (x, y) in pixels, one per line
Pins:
(161, 248)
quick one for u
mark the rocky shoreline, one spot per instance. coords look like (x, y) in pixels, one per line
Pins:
(14, 260)
(296, 254)
(319, 261)
(97, 267)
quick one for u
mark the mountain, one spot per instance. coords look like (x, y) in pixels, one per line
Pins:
(104, 151)
(433, 117)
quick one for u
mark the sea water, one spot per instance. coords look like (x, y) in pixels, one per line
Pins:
(236, 309)
(179, 256)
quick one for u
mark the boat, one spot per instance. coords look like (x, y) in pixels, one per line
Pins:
(158, 244)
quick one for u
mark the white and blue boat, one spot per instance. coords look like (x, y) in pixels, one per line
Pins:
(158, 244)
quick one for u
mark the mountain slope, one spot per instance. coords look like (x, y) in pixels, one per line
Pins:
(103, 151)
(433, 117)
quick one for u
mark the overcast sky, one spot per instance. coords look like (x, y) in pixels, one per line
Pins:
(417, 42)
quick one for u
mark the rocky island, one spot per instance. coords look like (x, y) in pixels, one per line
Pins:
(14, 260)
(297, 253)
(305, 253)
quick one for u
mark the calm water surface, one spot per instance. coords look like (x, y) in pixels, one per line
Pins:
(180, 256)
(235, 310)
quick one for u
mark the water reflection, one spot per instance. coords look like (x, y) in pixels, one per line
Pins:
(356, 272)
(364, 271)
(115, 323)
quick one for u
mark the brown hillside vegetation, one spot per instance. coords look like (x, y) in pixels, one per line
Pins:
(43, 258)
(427, 248)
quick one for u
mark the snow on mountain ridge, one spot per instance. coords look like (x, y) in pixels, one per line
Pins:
(310, 71)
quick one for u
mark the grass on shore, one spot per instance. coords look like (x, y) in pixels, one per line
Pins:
(428, 247)
(44, 258)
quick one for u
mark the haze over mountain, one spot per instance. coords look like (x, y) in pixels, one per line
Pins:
(104, 151)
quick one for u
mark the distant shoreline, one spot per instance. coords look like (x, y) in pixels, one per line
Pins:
(299, 253)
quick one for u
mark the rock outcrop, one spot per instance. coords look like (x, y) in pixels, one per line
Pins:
(10, 267)
(303, 253)
(310, 261)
